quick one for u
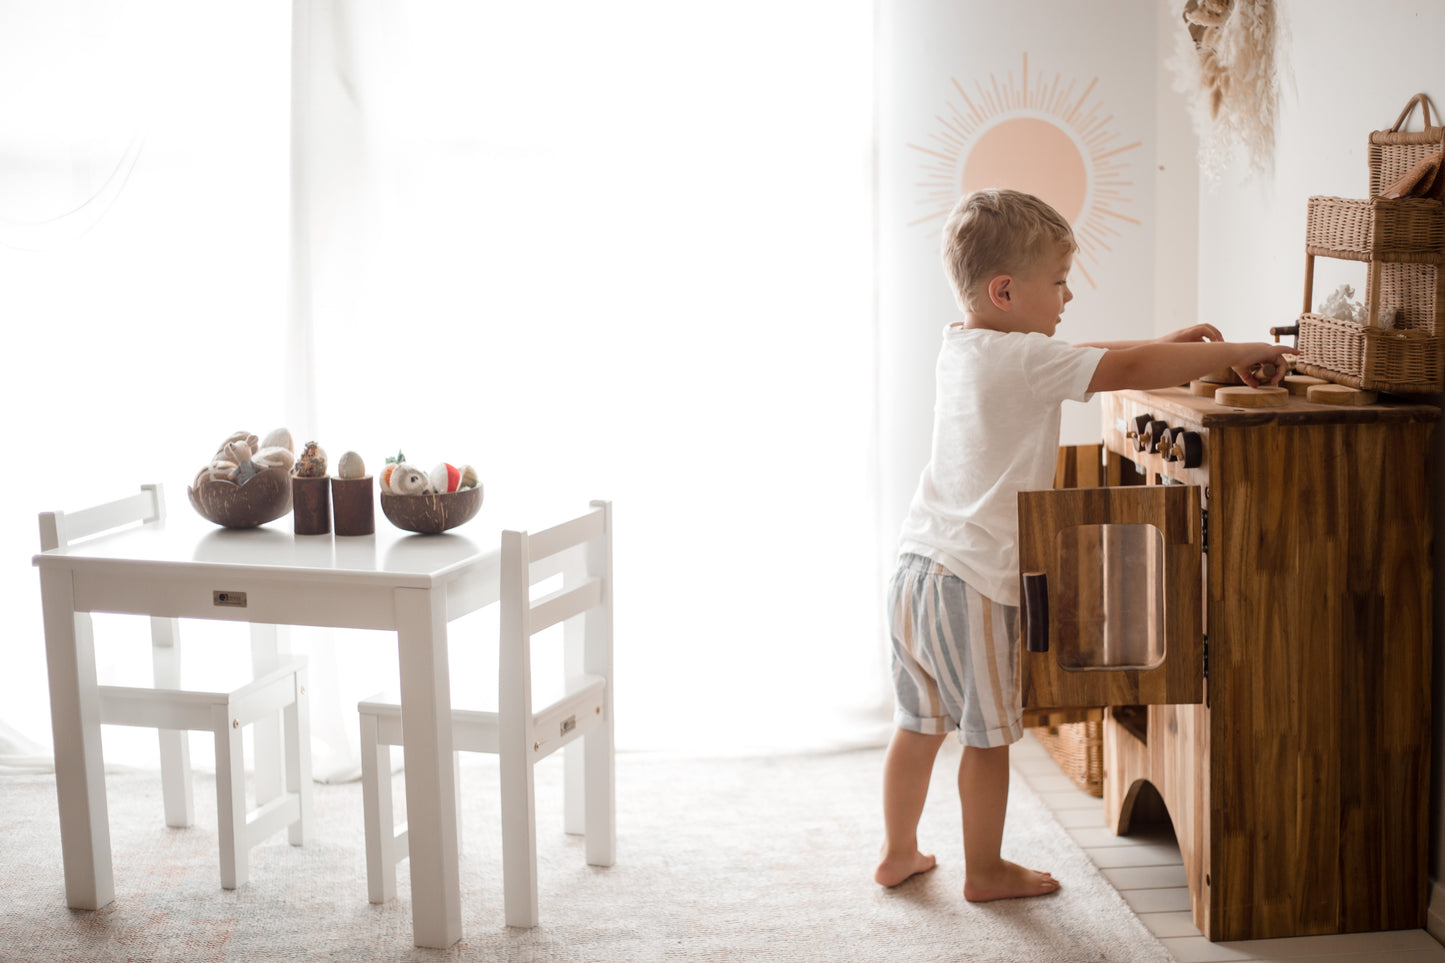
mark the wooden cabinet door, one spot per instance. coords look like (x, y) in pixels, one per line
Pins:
(1111, 609)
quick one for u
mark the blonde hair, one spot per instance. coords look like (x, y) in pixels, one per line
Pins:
(993, 232)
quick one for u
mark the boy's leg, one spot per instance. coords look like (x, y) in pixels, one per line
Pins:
(907, 768)
(983, 776)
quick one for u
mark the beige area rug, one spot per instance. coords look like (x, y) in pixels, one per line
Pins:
(718, 859)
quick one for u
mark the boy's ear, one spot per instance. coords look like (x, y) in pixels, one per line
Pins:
(999, 292)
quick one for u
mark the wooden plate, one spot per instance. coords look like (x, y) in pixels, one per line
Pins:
(1328, 394)
(1265, 396)
(1301, 384)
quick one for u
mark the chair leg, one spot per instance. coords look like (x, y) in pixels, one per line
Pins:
(457, 781)
(268, 766)
(519, 839)
(230, 799)
(574, 788)
(297, 723)
(601, 792)
(376, 807)
(175, 745)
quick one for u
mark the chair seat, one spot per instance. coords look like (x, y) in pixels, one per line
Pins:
(163, 708)
(474, 730)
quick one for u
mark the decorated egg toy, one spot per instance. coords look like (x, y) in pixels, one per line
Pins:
(311, 463)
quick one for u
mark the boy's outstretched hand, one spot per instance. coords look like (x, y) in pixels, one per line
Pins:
(1263, 353)
(1195, 332)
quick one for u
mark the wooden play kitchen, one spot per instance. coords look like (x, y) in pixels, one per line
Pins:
(1250, 596)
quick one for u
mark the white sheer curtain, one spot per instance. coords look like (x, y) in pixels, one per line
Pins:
(143, 272)
(595, 250)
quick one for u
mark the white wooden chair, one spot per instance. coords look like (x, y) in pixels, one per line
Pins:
(279, 685)
(519, 734)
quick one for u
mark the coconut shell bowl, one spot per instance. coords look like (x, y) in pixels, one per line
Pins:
(264, 497)
(431, 513)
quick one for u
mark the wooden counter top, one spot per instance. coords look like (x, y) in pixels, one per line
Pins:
(1180, 403)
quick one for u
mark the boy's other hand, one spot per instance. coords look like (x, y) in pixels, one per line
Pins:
(1195, 332)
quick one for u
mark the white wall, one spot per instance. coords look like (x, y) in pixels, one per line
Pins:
(950, 75)
(1352, 67)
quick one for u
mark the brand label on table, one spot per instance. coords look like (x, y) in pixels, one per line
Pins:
(234, 599)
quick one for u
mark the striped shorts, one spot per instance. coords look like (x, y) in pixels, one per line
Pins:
(955, 657)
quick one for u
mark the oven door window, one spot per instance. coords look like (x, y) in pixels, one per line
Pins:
(1109, 606)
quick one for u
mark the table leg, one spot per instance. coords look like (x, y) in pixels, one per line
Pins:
(431, 804)
(75, 726)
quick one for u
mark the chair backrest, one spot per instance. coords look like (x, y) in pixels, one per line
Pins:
(528, 558)
(58, 529)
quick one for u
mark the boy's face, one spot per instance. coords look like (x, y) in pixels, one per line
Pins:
(1038, 294)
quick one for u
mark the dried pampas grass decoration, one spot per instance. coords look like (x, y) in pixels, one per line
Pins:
(1225, 65)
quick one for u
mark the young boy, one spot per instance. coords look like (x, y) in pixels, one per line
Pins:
(1001, 381)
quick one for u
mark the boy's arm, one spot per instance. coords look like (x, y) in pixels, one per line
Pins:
(1195, 332)
(1165, 364)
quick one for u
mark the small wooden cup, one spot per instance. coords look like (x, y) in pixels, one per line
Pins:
(352, 507)
(311, 505)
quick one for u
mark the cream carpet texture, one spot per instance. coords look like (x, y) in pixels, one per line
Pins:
(718, 859)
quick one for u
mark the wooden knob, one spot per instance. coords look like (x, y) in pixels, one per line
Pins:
(1166, 444)
(1155, 435)
(1139, 431)
(1188, 448)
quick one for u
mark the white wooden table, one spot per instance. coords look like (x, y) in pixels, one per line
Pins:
(184, 567)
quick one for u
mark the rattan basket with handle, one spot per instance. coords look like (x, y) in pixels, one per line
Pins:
(1392, 152)
(1402, 240)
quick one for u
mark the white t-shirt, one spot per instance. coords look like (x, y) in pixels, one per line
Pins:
(995, 434)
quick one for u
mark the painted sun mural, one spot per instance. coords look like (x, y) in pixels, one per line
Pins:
(1045, 136)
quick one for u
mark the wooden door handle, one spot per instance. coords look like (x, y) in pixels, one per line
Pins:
(1036, 610)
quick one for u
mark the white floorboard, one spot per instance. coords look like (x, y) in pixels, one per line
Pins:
(1149, 874)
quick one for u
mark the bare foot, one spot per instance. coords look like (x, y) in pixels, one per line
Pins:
(1007, 881)
(894, 870)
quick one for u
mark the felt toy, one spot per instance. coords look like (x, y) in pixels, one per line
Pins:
(274, 457)
(386, 472)
(311, 463)
(445, 478)
(242, 455)
(350, 465)
(408, 479)
(278, 438)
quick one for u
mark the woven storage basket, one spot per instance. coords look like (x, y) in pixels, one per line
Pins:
(1403, 242)
(1399, 361)
(1393, 152)
(1410, 229)
(1078, 748)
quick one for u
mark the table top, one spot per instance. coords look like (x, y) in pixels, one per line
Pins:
(1180, 403)
(183, 540)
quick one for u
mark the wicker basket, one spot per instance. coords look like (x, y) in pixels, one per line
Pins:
(1393, 152)
(1403, 242)
(1374, 359)
(1078, 748)
(1410, 230)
